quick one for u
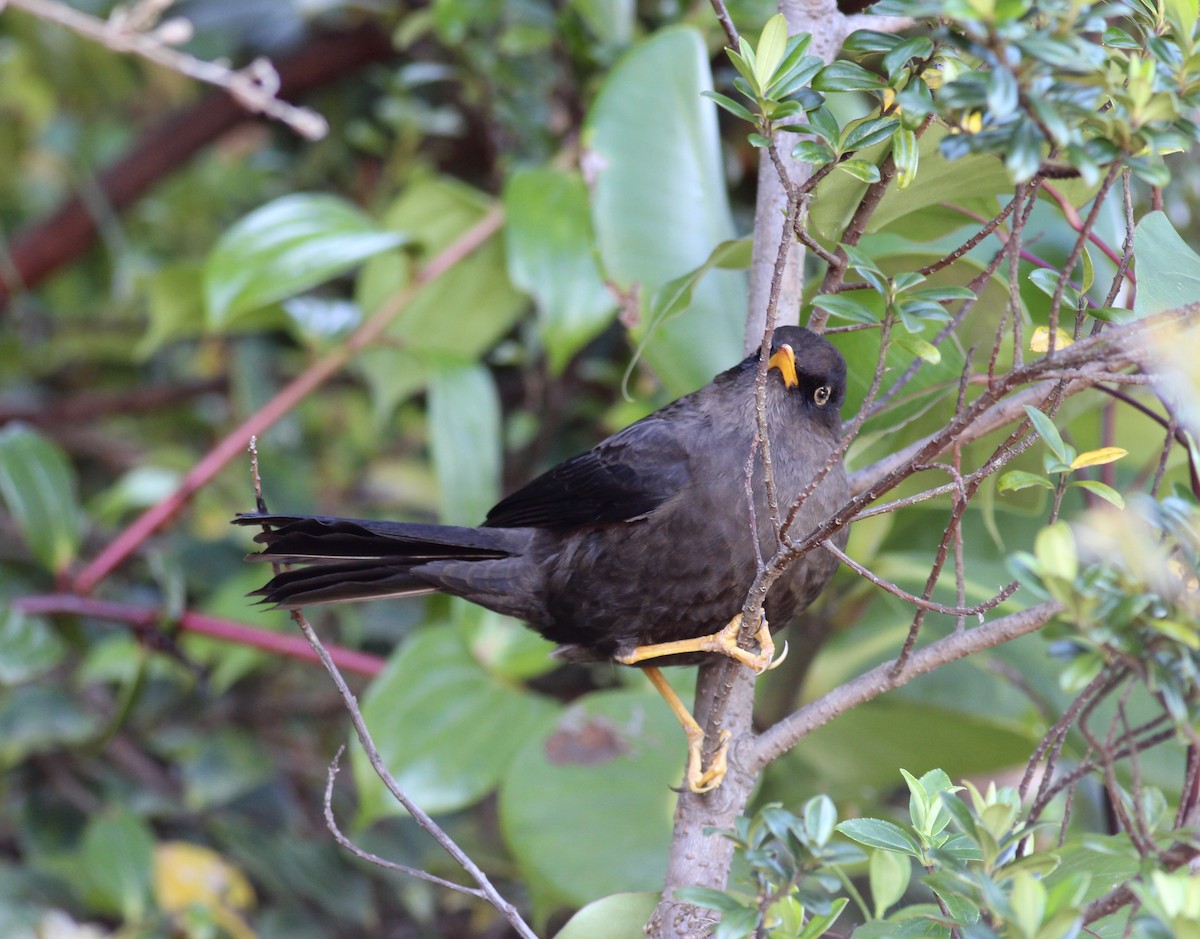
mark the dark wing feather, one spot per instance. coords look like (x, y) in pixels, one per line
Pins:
(624, 477)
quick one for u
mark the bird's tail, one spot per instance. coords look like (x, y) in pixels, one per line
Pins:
(355, 559)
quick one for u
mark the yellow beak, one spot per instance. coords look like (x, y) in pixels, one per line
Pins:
(784, 359)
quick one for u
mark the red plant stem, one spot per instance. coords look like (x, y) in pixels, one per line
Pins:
(150, 618)
(235, 442)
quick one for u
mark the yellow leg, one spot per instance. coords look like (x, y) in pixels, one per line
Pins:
(725, 642)
(698, 779)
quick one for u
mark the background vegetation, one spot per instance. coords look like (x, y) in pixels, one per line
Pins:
(525, 227)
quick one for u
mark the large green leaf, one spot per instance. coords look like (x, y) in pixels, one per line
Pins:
(444, 727)
(458, 316)
(1168, 270)
(615, 917)
(551, 256)
(28, 647)
(38, 485)
(118, 856)
(286, 247)
(659, 202)
(464, 434)
(39, 718)
(586, 806)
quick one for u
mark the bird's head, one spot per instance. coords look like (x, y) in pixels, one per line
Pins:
(810, 370)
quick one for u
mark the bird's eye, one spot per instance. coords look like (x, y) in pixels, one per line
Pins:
(821, 395)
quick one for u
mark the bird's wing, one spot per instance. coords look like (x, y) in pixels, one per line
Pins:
(626, 476)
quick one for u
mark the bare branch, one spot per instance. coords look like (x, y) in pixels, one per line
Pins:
(255, 87)
(780, 738)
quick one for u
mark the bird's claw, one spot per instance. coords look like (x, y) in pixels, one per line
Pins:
(727, 642)
(778, 660)
(701, 780)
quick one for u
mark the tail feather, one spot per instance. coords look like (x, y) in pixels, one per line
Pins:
(357, 559)
(339, 583)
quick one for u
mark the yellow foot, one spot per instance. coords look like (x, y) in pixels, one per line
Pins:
(724, 642)
(706, 780)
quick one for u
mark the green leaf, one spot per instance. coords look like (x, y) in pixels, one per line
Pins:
(444, 727)
(860, 169)
(1112, 314)
(889, 875)
(819, 923)
(847, 76)
(878, 833)
(820, 815)
(551, 256)
(486, 305)
(733, 107)
(597, 774)
(918, 47)
(1049, 433)
(906, 156)
(40, 718)
(1101, 490)
(618, 916)
(660, 202)
(1054, 548)
(867, 133)
(1028, 899)
(284, 248)
(739, 924)
(38, 485)
(1016, 480)
(1168, 269)
(771, 48)
(464, 436)
(29, 647)
(918, 347)
(118, 856)
(709, 898)
(812, 151)
(844, 307)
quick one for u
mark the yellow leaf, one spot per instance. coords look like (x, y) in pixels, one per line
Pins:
(888, 99)
(1040, 340)
(1098, 457)
(189, 875)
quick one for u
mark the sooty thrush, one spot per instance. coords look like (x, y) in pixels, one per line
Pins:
(630, 552)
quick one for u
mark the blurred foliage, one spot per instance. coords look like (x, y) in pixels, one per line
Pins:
(160, 782)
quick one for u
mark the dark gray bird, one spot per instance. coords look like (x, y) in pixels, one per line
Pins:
(636, 550)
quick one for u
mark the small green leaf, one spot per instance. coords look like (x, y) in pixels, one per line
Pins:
(889, 876)
(1054, 548)
(1016, 480)
(38, 485)
(819, 924)
(906, 156)
(772, 46)
(617, 916)
(820, 815)
(1048, 432)
(878, 833)
(1101, 490)
(842, 306)
(847, 76)
(733, 107)
(286, 247)
(118, 855)
(1028, 901)
(1112, 314)
(709, 898)
(812, 151)
(867, 133)
(918, 47)
(860, 169)
(918, 347)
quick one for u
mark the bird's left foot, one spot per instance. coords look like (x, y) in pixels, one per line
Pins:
(725, 642)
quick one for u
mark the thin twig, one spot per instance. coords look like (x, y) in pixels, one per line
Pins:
(254, 87)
